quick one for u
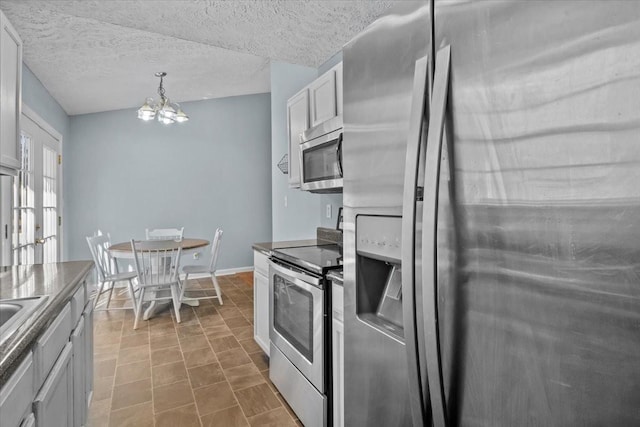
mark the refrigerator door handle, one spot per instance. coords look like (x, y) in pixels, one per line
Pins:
(339, 155)
(429, 235)
(415, 144)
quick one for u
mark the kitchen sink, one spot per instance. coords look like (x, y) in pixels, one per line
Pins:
(13, 313)
(7, 311)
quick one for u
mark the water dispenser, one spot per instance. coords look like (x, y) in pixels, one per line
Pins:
(379, 273)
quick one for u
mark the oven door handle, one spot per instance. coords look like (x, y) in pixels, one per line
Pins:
(312, 281)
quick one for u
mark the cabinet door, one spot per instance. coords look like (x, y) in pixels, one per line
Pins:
(53, 405)
(297, 122)
(261, 311)
(337, 341)
(16, 394)
(10, 95)
(323, 100)
(88, 358)
(79, 352)
(339, 90)
(337, 338)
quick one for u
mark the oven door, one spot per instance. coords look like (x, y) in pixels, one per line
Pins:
(296, 311)
(321, 163)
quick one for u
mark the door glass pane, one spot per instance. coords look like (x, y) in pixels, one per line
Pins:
(49, 205)
(24, 205)
(293, 315)
(321, 162)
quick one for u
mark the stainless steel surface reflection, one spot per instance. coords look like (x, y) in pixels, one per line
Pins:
(14, 312)
(537, 246)
(378, 72)
(525, 256)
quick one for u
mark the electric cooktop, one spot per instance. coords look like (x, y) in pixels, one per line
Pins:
(318, 259)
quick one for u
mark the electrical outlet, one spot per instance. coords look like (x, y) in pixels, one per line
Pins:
(285, 201)
(196, 255)
(328, 211)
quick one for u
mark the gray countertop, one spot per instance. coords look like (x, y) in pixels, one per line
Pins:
(267, 247)
(58, 281)
(336, 276)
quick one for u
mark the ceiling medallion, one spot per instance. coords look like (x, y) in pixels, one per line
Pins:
(166, 111)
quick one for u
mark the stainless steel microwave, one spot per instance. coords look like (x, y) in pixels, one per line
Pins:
(321, 158)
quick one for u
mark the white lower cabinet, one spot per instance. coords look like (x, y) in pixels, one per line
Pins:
(55, 381)
(88, 355)
(79, 365)
(53, 406)
(16, 394)
(261, 300)
(337, 341)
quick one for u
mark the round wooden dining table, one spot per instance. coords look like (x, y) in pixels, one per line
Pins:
(189, 245)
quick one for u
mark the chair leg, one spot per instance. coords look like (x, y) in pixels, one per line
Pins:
(184, 287)
(132, 295)
(113, 284)
(217, 287)
(95, 301)
(176, 301)
(139, 309)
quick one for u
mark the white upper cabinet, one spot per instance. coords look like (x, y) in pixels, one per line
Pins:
(10, 96)
(319, 101)
(325, 95)
(297, 122)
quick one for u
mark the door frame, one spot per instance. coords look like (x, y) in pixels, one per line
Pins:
(42, 123)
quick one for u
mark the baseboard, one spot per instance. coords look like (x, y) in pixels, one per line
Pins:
(225, 272)
(228, 271)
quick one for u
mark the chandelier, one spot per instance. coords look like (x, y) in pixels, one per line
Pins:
(166, 111)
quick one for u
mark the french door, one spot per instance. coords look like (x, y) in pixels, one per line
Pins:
(36, 199)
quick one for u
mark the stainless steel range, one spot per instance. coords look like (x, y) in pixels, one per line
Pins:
(300, 365)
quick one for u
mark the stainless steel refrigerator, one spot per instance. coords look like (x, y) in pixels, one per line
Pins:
(492, 215)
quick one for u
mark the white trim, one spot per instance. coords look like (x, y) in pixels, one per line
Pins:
(42, 123)
(228, 271)
(225, 272)
(27, 111)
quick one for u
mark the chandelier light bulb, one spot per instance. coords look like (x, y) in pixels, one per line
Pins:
(164, 110)
(147, 111)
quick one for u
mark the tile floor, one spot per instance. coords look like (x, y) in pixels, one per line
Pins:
(205, 371)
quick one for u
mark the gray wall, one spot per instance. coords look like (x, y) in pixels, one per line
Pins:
(334, 60)
(36, 96)
(301, 216)
(123, 175)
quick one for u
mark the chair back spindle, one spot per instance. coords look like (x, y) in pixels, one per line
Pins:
(215, 249)
(164, 234)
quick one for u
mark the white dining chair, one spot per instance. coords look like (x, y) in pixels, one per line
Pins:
(107, 269)
(206, 269)
(157, 263)
(164, 233)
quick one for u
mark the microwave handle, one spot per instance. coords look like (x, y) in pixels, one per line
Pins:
(339, 154)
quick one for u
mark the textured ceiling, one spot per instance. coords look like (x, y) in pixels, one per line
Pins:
(101, 55)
